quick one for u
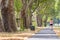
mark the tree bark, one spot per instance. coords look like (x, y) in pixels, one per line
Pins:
(45, 21)
(1, 24)
(39, 20)
(24, 14)
(1, 21)
(29, 19)
(8, 15)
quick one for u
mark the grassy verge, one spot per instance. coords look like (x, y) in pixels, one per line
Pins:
(22, 33)
(57, 30)
(19, 35)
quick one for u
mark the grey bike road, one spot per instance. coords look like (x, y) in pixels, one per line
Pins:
(45, 34)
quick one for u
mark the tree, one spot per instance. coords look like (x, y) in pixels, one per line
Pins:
(24, 13)
(1, 22)
(7, 12)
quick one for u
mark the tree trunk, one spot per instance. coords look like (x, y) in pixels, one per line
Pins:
(24, 13)
(39, 20)
(29, 19)
(29, 13)
(23, 18)
(1, 24)
(8, 15)
(45, 21)
(1, 21)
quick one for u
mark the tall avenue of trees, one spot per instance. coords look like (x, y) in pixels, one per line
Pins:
(14, 13)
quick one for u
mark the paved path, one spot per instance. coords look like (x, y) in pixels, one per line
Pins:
(46, 33)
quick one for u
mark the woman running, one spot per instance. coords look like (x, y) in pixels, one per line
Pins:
(51, 23)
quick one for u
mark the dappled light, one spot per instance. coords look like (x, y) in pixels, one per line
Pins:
(25, 19)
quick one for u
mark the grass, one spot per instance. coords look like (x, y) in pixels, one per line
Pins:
(57, 30)
(20, 34)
